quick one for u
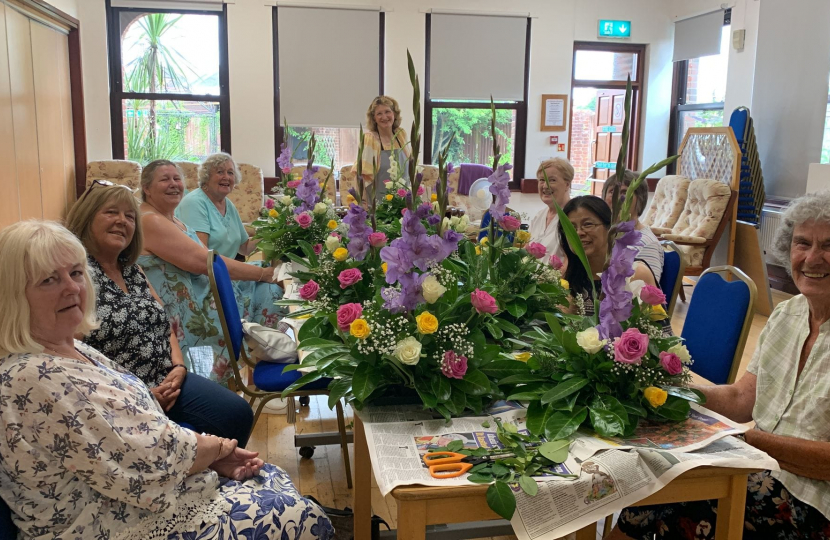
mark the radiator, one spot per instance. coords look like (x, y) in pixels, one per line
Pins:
(770, 222)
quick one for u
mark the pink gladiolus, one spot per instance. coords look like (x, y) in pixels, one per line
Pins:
(510, 223)
(377, 239)
(401, 192)
(671, 363)
(630, 347)
(293, 184)
(652, 295)
(309, 290)
(483, 302)
(269, 203)
(303, 220)
(454, 366)
(346, 314)
(556, 262)
(318, 249)
(349, 277)
(536, 250)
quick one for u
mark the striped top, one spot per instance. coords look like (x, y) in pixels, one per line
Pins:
(651, 253)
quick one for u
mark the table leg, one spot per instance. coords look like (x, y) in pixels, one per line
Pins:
(730, 524)
(412, 520)
(588, 532)
(362, 483)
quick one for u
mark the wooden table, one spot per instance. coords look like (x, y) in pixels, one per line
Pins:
(419, 506)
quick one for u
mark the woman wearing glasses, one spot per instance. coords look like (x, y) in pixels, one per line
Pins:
(134, 330)
(544, 227)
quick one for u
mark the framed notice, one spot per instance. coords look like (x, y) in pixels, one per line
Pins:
(554, 107)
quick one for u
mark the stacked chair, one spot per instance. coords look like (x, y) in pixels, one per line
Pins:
(751, 195)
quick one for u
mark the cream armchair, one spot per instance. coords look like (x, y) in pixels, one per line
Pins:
(348, 180)
(191, 174)
(122, 172)
(667, 204)
(248, 193)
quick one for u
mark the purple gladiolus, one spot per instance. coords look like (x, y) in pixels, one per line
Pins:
(433, 219)
(499, 182)
(307, 191)
(284, 159)
(358, 233)
(616, 304)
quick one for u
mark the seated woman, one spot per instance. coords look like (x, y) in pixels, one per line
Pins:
(210, 212)
(88, 452)
(134, 329)
(785, 391)
(175, 262)
(591, 218)
(651, 252)
(384, 138)
(544, 227)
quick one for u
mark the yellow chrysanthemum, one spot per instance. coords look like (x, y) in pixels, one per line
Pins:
(655, 396)
(389, 197)
(433, 197)
(564, 283)
(340, 254)
(657, 313)
(360, 329)
(522, 236)
(427, 323)
(523, 356)
(331, 224)
(273, 213)
(384, 266)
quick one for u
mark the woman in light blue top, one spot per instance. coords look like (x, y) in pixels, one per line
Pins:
(210, 212)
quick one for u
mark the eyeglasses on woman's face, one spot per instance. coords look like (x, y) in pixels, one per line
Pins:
(96, 183)
(586, 226)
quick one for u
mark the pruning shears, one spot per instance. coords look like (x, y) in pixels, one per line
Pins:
(453, 464)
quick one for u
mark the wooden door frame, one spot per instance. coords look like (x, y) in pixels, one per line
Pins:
(638, 87)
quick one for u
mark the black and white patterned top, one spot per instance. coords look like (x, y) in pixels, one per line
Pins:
(135, 329)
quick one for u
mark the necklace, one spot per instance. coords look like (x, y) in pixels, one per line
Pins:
(172, 219)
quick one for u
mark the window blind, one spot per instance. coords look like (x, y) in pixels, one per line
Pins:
(698, 36)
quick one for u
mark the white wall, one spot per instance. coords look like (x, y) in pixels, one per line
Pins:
(70, 7)
(556, 24)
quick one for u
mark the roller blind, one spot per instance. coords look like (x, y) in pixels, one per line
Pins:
(328, 65)
(698, 36)
(474, 56)
(199, 5)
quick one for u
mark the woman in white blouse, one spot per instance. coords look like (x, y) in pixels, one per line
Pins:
(544, 227)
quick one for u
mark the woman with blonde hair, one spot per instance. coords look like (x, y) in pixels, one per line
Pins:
(544, 227)
(383, 139)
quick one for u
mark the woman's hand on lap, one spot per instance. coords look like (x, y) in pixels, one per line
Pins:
(238, 464)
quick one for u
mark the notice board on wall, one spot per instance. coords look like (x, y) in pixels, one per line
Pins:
(554, 112)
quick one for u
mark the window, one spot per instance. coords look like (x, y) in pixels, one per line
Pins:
(598, 85)
(323, 89)
(169, 84)
(699, 91)
(460, 80)
(825, 142)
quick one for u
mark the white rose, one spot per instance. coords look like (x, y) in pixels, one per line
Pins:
(682, 352)
(286, 200)
(463, 223)
(432, 289)
(388, 184)
(446, 223)
(408, 351)
(455, 220)
(320, 208)
(589, 340)
(332, 243)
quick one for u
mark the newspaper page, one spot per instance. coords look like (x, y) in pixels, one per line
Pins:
(614, 479)
(700, 429)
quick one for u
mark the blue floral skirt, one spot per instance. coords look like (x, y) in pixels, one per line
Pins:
(771, 513)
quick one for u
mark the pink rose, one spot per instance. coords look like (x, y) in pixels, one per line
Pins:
(349, 277)
(421, 190)
(377, 239)
(652, 295)
(454, 366)
(318, 248)
(303, 220)
(556, 262)
(293, 184)
(510, 223)
(346, 314)
(630, 347)
(483, 302)
(269, 203)
(401, 192)
(536, 250)
(671, 363)
(309, 290)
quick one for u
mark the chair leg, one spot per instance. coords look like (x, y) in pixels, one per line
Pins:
(291, 412)
(606, 528)
(257, 413)
(682, 294)
(344, 446)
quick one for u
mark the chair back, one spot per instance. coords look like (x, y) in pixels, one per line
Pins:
(668, 202)
(706, 207)
(117, 171)
(248, 194)
(191, 174)
(223, 295)
(671, 280)
(348, 180)
(717, 323)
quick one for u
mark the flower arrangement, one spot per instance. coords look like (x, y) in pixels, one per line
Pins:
(297, 212)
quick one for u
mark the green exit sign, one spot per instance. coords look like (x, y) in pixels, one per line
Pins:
(614, 29)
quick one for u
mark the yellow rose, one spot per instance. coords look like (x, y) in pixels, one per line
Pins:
(478, 250)
(427, 323)
(655, 396)
(408, 351)
(341, 254)
(682, 352)
(384, 266)
(432, 289)
(331, 224)
(484, 240)
(564, 283)
(360, 329)
(433, 197)
(273, 213)
(523, 356)
(522, 236)
(589, 340)
(389, 197)
(657, 313)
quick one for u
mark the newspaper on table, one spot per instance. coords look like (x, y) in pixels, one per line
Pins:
(612, 473)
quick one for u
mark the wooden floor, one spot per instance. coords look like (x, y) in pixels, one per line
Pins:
(323, 476)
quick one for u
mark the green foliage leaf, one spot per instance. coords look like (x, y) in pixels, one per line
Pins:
(522, 378)
(537, 415)
(528, 485)
(561, 425)
(523, 396)
(517, 309)
(634, 409)
(675, 409)
(364, 381)
(501, 500)
(564, 389)
(689, 394)
(455, 446)
(302, 381)
(441, 388)
(313, 327)
(480, 478)
(556, 450)
(337, 389)
(500, 369)
(474, 382)
(608, 416)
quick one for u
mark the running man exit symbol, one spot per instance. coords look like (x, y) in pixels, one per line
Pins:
(610, 28)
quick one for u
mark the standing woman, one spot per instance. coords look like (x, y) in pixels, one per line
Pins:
(210, 212)
(384, 138)
(544, 227)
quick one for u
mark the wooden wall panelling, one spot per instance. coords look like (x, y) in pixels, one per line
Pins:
(69, 161)
(23, 113)
(45, 64)
(10, 199)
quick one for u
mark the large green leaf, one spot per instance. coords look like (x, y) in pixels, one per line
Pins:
(521, 378)
(313, 327)
(528, 485)
(441, 387)
(458, 401)
(537, 415)
(555, 326)
(675, 409)
(520, 395)
(499, 369)
(338, 389)
(501, 500)
(564, 389)
(561, 425)
(364, 381)
(608, 416)
(555, 450)
(574, 242)
(474, 382)
(689, 394)
(517, 309)
(317, 343)
(302, 381)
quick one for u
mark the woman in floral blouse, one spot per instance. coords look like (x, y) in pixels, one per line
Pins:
(385, 138)
(88, 451)
(134, 329)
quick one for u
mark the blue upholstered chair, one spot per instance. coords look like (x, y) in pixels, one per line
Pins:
(7, 527)
(717, 323)
(671, 280)
(269, 379)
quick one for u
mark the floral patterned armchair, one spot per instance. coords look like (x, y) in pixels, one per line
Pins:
(320, 175)
(125, 173)
(191, 174)
(348, 180)
(667, 204)
(248, 194)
